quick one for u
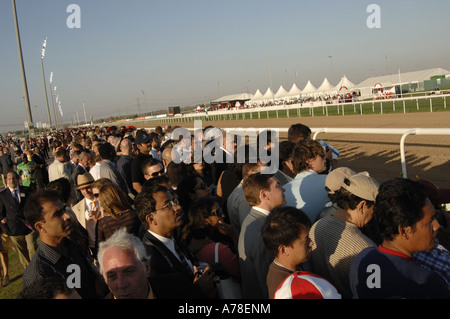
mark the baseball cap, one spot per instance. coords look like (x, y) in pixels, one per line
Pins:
(336, 177)
(306, 285)
(437, 196)
(362, 185)
(142, 137)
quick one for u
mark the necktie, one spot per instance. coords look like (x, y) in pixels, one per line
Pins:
(93, 207)
(16, 196)
(182, 258)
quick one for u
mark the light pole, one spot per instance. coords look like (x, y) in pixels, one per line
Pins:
(53, 101)
(43, 78)
(84, 111)
(270, 75)
(24, 78)
(332, 71)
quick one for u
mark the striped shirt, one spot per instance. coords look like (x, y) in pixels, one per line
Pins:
(336, 244)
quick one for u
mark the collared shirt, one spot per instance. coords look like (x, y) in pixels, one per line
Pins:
(437, 260)
(170, 244)
(48, 263)
(17, 194)
(91, 205)
(261, 210)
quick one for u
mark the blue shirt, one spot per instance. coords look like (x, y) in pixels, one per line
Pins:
(436, 259)
(307, 192)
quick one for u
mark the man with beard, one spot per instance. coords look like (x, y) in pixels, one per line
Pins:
(57, 255)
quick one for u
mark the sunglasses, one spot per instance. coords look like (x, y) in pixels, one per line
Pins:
(218, 212)
(154, 174)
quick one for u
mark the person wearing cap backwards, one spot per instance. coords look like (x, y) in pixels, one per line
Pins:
(286, 236)
(406, 222)
(337, 238)
(144, 144)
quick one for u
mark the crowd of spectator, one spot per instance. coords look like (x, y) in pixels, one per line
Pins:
(110, 212)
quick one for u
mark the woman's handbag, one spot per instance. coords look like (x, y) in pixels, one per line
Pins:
(227, 288)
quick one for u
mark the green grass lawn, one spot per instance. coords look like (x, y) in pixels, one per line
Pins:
(364, 107)
(15, 276)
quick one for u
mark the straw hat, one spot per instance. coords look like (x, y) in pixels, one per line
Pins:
(84, 180)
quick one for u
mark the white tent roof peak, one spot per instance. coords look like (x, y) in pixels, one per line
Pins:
(281, 92)
(257, 96)
(309, 88)
(326, 86)
(268, 95)
(294, 91)
(345, 82)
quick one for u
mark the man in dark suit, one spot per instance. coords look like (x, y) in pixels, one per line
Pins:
(12, 202)
(6, 164)
(160, 215)
(40, 172)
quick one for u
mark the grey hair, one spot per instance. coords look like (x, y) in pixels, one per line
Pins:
(123, 240)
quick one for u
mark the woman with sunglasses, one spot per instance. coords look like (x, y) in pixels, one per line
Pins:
(191, 188)
(205, 227)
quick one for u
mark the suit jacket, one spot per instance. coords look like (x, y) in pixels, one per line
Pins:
(162, 260)
(9, 208)
(79, 209)
(163, 263)
(254, 258)
(70, 168)
(109, 170)
(79, 170)
(5, 163)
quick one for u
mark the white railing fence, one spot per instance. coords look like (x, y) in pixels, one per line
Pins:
(402, 132)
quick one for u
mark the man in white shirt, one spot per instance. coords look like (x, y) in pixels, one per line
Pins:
(87, 210)
(58, 168)
(264, 193)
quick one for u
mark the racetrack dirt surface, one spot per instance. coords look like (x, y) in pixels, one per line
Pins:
(427, 157)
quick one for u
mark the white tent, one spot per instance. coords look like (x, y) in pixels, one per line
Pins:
(268, 95)
(281, 93)
(392, 80)
(294, 91)
(344, 83)
(325, 87)
(403, 78)
(309, 88)
(234, 97)
(257, 96)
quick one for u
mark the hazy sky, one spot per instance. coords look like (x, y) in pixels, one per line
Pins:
(189, 52)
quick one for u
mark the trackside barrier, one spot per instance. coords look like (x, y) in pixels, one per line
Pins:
(404, 132)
